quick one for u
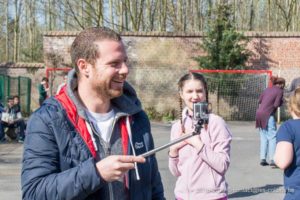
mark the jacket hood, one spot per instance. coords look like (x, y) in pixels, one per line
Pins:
(127, 103)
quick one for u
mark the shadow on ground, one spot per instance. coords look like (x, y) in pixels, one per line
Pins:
(255, 191)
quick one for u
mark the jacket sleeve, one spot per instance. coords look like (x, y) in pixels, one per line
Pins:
(279, 99)
(217, 154)
(260, 98)
(156, 182)
(157, 186)
(41, 176)
(173, 162)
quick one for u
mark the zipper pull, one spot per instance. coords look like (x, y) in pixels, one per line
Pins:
(108, 151)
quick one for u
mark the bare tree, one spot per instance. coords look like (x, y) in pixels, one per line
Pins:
(135, 10)
(22, 18)
(111, 13)
(286, 9)
(7, 32)
(30, 8)
(163, 15)
(251, 18)
(18, 7)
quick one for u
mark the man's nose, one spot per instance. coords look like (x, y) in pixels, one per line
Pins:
(124, 68)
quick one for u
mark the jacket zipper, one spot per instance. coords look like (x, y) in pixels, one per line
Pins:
(107, 150)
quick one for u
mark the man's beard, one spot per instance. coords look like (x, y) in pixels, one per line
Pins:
(104, 90)
(113, 93)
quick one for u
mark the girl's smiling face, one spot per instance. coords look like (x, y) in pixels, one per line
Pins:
(192, 91)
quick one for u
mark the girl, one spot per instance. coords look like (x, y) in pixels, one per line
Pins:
(200, 162)
(287, 154)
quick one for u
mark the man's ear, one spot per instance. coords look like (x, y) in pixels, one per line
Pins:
(83, 67)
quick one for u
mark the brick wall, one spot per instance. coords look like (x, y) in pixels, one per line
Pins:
(276, 51)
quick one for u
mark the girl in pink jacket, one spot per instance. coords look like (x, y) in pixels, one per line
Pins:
(200, 162)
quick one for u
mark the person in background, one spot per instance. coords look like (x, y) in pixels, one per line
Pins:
(84, 142)
(19, 119)
(14, 119)
(17, 105)
(62, 84)
(269, 101)
(287, 154)
(294, 84)
(43, 89)
(200, 162)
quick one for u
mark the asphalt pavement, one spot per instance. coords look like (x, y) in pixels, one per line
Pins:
(247, 180)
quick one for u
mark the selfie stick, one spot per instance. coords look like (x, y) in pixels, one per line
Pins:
(196, 131)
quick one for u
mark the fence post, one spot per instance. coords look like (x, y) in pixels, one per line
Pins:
(19, 86)
(28, 95)
(2, 89)
(8, 87)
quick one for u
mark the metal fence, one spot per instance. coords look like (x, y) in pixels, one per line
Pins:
(21, 86)
(232, 99)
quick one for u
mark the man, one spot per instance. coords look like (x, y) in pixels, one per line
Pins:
(12, 118)
(43, 89)
(81, 144)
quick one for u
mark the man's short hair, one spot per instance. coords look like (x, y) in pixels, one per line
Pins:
(84, 46)
(16, 96)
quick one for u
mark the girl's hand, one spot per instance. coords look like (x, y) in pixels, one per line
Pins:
(195, 141)
(176, 147)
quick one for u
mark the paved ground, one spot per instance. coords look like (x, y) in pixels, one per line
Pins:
(246, 178)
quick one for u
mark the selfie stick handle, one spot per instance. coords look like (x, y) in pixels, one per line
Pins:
(183, 137)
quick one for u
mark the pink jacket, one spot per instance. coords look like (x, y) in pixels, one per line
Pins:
(202, 176)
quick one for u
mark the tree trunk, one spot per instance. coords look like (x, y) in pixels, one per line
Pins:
(269, 14)
(111, 14)
(251, 18)
(17, 29)
(7, 32)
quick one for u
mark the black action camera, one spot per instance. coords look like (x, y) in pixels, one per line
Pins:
(200, 112)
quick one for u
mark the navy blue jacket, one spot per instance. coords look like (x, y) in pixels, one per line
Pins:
(58, 164)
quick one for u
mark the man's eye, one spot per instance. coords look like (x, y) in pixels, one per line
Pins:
(115, 64)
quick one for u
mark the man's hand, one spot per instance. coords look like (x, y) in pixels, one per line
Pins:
(114, 167)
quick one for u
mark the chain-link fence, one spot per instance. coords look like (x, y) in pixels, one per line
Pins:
(11, 86)
(157, 89)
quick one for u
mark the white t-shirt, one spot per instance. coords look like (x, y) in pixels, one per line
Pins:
(103, 123)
